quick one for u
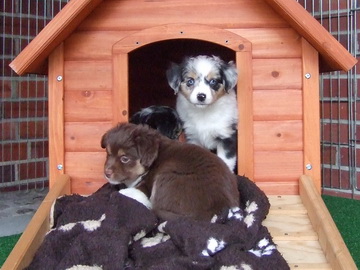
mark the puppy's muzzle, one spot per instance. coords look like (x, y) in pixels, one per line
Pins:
(108, 172)
(201, 97)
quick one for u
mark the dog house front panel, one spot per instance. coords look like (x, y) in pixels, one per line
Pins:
(272, 132)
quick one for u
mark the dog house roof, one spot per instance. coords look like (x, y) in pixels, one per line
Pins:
(33, 58)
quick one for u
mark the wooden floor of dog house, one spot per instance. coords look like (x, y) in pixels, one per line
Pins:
(300, 225)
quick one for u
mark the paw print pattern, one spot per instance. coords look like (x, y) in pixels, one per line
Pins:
(212, 246)
(263, 248)
(235, 213)
(250, 210)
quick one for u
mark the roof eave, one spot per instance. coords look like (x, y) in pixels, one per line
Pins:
(32, 58)
(335, 55)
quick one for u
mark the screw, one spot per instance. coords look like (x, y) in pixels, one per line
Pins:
(60, 167)
(308, 166)
(307, 75)
(59, 78)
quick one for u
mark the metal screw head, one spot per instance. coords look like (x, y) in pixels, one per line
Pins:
(60, 167)
(59, 78)
(308, 166)
(307, 75)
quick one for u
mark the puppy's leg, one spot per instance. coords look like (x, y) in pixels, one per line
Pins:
(226, 150)
(137, 195)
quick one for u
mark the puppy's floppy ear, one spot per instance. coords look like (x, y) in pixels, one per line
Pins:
(104, 140)
(230, 74)
(173, 75)
(147, 145)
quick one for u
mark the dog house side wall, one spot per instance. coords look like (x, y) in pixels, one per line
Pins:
(88, 79)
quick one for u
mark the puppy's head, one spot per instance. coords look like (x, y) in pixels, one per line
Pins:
(131, 149)
(162, 118)
(202, 79)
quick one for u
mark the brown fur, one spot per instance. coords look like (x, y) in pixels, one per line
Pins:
(181, 180)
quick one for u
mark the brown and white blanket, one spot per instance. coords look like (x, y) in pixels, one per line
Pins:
(108, 230)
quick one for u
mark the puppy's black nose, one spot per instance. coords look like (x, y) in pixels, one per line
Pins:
(201, 97)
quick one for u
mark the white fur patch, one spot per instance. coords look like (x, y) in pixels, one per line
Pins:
(85, 267)
(137, 195)
(67, 227)
(153, 241)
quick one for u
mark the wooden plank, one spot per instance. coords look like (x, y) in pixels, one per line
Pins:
(85, 165)
(311, 103)
(211, 34)
(278, 166)
(290, 227)
(302, 252)
(245, 125)
(88, 75)
(279, 187)
(56, 114)
(85, 45)
(272, 42)
(120, 98)
(278, 135)
(137, 15)
(330, 239)
(333, 52)
(85, 136)
(277, 74)
(88, 106)
(31, 239)
(286, 204)
(277, 105)
(85, 186)
(31, 59)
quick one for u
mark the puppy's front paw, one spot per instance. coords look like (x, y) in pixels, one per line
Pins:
(137, 195)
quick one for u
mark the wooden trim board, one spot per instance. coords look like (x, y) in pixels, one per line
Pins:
(301, 227)
(31, 239)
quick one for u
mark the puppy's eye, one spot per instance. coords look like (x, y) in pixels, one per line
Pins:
(190, 82)
(124, 159)
(212, 82)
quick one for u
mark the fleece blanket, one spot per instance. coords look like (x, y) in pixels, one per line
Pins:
(108, 230)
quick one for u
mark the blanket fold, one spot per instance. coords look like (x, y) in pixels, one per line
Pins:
(108, 230)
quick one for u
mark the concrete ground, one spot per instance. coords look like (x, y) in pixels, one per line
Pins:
(17, 209)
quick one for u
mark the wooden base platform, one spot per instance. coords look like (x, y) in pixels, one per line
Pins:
(301, 226)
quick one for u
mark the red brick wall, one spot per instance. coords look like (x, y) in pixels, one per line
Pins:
(23, 107)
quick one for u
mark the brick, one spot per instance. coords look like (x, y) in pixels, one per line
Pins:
(336, 178)
(33, 89)
(32, 170)
(39, 149)
(335, 88)
(13, 152)
(335, 110)
(6, 88)
(33, 129)
(9, 131)
(344, 156)
(7, 173)
(28, 7)
(335, 133)
(24, 109)
(328, 154)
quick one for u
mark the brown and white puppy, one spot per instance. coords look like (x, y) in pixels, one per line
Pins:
(181, 180)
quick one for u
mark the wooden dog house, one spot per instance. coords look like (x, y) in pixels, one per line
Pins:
(107, 59)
